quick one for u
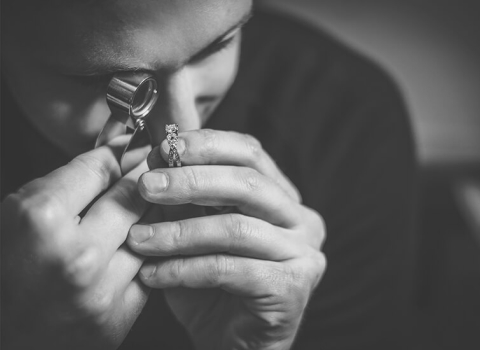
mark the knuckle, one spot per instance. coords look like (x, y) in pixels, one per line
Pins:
(40, 226)
(99, 303)
(128, 194)
(175, 269)
(218, 268)
(322, 231)
(275, 321)
(251, 180)
(253, 146)
(319, 263)
(320, 222)
(210, 142)
(93, 166)
(295, 192)
(287, 284)
(194, 183)
(306, 276)
(79, 272)
(46, 214)
(298, 287)
(290, 281)
(238, 230)
(318, 225)
(16, 207)
(41, 213)
(295, 277)
(179, 235)
(27, 190)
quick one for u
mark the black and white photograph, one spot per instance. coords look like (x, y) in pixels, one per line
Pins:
(240, 175)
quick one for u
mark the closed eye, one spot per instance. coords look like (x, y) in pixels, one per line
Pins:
(214, 49)
(99, 81)
(102, 80)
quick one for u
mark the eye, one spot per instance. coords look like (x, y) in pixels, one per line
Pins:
(224, 44)
(218, 47)
(96, 81)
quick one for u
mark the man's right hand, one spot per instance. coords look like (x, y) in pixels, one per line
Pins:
(69, 282)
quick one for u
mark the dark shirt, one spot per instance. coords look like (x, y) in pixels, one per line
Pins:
(336, 125)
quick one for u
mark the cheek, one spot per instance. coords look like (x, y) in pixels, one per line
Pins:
(66, 112)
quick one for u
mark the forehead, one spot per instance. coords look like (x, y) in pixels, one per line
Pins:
(146, 34)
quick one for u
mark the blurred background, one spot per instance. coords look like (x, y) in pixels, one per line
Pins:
(432, 48)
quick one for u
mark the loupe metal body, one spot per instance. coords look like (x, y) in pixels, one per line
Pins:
(130, 97)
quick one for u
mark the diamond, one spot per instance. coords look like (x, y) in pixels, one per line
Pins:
(171, 128)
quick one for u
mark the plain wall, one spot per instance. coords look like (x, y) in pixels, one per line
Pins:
(433, 50)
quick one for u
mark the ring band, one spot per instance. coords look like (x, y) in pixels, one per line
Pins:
(172, 139)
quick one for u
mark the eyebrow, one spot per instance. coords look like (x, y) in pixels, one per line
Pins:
(210, 49)
(215, 45)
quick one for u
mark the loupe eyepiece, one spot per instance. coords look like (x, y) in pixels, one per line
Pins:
(131, 96)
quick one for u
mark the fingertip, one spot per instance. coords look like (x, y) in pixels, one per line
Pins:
(119, 141)
(139, 234)
(142, 189)
(147, 272)
(81, 271)
(165, 148)
(154, 159)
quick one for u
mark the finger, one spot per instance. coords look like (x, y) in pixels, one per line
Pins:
(245, 188)
(237, 275)
(134, 299)
(76, 184)
(214, 147)
(112, 289)
(88, 271)
(107, 222)
(124, 307)
(241, 276)
(130, 306)
(120, 271)
(232, 233)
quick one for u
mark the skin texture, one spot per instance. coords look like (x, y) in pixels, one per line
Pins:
(245, 275)
(49, 78)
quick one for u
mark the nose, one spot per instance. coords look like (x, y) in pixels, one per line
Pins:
(175, 104)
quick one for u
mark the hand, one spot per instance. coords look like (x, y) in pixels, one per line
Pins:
(239, 280)
(68, 282)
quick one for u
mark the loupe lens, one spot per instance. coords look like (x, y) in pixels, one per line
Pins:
(131, 96)
(144, 98)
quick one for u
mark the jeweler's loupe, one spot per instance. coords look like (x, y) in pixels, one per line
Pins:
(130, 97)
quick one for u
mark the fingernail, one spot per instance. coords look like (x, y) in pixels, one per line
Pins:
(165, 146)
(147, 271)
(155, 182)
(180, 146)
(141, 233)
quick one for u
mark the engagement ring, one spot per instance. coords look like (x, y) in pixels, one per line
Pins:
(172, 139)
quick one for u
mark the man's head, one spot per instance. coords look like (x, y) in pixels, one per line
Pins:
(59, 56)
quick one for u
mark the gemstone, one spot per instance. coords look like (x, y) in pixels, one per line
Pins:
(171, 128)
